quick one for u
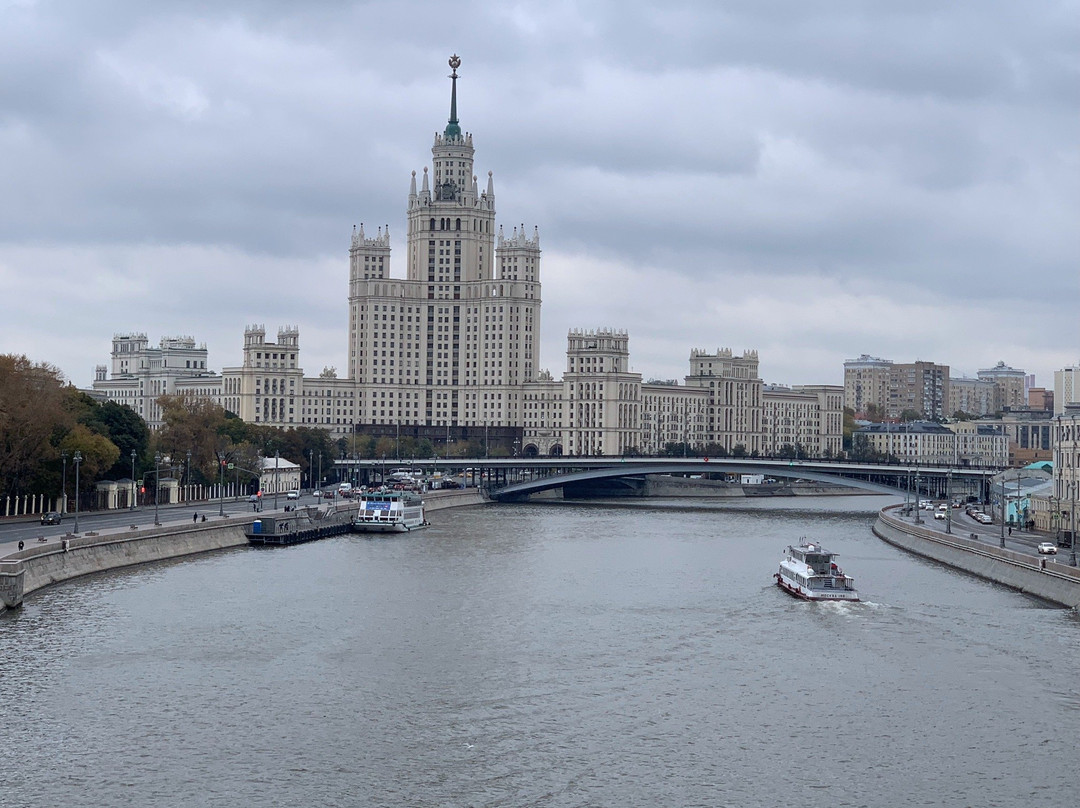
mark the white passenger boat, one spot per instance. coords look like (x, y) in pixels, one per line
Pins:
(809, 572)
(391, 512)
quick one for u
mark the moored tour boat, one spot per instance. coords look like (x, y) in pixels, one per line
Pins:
(809, 572)
(390, 512)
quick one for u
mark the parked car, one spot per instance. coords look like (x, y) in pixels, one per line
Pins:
(984, 519)
(1047, 548)
(51, 518)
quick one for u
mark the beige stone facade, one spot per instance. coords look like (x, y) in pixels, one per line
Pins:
(805, 419)
(141, 374)
(733, 417)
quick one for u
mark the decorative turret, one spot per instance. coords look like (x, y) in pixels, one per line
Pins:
(519, 255)
(369, 257)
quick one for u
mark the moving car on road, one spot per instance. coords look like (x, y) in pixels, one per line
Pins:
(1047, 548)
(51, 518)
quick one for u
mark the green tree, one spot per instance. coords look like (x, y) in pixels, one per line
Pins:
(193, 425)
(33, 418)
(99, 454)
(129, 433)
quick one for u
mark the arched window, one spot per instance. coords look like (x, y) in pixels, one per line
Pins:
(458, 225)
(432, 224)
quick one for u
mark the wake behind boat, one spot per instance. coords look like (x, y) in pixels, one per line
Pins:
(390, 512)
(809, 572)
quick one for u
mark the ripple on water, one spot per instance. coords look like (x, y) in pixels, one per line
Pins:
(566, 655)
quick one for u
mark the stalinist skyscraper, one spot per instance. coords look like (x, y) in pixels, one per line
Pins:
(452, 343)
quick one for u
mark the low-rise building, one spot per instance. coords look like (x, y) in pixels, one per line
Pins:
(928, 442)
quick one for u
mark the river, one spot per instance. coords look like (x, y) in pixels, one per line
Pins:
(594, 654)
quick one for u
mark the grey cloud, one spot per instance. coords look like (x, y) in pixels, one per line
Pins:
(892, 149)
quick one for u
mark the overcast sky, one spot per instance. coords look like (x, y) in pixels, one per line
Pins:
(813, 179)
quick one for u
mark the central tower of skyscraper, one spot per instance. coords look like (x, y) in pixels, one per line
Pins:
(450, 344)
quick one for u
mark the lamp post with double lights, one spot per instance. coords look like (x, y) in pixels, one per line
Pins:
(188, 469)
(221, 486)
(77, 459)
(277, 465)
(918, 496)
(1002, 509)
(131, 503)
(63, 499)
(157, 485)
(948, 501)
(1072, 532)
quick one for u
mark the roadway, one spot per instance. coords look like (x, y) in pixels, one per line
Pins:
(30, 530)
(1022, 541)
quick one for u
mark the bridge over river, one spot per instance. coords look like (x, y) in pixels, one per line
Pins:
(515, 479)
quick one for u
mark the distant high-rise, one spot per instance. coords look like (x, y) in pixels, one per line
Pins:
(866, 382)
(1010, 383)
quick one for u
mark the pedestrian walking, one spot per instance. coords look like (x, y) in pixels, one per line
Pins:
(195, 517)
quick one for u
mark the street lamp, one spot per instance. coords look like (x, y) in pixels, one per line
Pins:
(157, 484)
(188, 469)
(1002, 509)
(948, 501)
(131, 504)
(277, 462)
(221, 486)
(1072, 533)
(76, 459)
(917, 495)
(63, 499)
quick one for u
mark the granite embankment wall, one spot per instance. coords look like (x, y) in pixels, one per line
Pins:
(1050, 580)
(71, 556)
